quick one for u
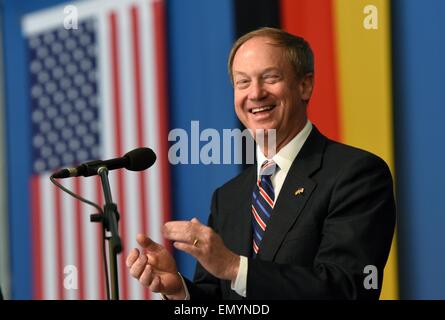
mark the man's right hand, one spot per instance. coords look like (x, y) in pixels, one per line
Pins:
(156, 268)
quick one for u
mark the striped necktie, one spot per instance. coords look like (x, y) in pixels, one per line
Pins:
(262, 203)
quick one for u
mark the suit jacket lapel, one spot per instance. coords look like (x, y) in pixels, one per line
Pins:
(289, 206)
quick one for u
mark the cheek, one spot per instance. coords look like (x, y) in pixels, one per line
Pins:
(238, 108)
(238, 101)
(241, 115)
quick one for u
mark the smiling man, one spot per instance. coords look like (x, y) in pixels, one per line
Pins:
(304, 222)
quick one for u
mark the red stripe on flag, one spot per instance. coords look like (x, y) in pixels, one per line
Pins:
(36, 217)
(80, 239)
(161, 87)
(137, 66)
(59, 244)
(118, 141)
(313, 20)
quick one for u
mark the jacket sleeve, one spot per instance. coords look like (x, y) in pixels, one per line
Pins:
(205, 286)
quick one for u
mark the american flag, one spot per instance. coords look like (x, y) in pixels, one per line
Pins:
(95, 92)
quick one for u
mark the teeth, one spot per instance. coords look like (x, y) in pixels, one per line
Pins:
(262, 109)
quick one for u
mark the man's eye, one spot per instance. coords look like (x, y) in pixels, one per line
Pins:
(242, 83)
(271, 78)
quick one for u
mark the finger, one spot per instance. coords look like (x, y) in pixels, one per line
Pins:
(179, 231)
(138, 267)
(155, 285)
(151, 259)
(132, 257)
(147, 276)
(190, 249)
(195, 220)
(146, 242)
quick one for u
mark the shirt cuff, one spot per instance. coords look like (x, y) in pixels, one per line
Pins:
(240, 283)
(187, 295)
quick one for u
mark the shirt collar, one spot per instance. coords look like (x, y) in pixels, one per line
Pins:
(288, 153)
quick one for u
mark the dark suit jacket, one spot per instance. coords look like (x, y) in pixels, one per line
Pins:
(318, 243)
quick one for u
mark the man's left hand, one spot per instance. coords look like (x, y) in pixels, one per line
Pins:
(205, 245)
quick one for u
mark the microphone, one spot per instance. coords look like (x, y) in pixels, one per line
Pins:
(135, 160)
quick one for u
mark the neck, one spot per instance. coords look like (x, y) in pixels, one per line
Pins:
(270, 149)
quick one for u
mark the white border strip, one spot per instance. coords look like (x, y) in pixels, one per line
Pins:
(53, 17)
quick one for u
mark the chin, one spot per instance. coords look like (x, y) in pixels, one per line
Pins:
(261, 129)
(264, 126)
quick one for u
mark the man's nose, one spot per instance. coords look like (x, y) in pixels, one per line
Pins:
(257, 91)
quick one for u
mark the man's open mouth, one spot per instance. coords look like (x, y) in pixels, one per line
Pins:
(262, 109)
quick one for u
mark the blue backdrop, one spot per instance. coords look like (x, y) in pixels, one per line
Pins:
(419, 78)
(200, 35)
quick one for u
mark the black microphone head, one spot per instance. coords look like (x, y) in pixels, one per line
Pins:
(62, 173)
(140, 159)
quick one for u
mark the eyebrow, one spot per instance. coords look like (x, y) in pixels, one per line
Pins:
(263, 71)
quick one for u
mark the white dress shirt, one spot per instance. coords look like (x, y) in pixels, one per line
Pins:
(283, 159)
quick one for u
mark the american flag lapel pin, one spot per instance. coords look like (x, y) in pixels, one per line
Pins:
(299, 191)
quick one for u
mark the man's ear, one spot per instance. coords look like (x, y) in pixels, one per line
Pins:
(306, 86)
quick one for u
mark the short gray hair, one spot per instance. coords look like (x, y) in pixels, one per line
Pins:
(296, 49)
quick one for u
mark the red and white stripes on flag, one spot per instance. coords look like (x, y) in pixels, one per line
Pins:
(132, 107)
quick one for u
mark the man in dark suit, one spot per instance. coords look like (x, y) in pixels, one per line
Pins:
(309, 221)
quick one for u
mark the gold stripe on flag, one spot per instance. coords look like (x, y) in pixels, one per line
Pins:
(364, 69)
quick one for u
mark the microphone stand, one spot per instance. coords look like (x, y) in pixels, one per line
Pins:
(109, 221)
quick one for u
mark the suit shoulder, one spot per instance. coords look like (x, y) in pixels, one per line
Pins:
(343, 154)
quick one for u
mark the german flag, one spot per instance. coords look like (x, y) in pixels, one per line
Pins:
(352, 99)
